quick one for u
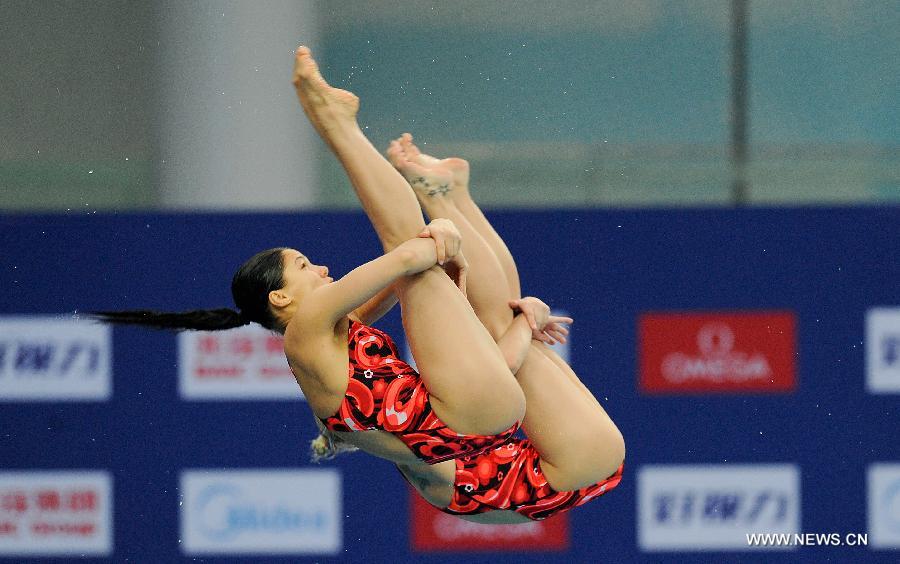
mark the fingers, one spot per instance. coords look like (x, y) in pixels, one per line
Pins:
(549, 336)
(542, 337)
(556, 335)
(455, 245)
(553, 327)
(556, 331)
(439, 246)
(525, 307)
(448, 240)
(462, 271)
(529, 315)
(463, 275)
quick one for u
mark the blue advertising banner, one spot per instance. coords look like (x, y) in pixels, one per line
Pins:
(192, 467)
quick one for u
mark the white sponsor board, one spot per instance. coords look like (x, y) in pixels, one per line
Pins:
(244, 363)
(714, 507)
(884, 505)
(54, 513)
(54, 358)
(562, 349)
(261, 512)
(883, 350)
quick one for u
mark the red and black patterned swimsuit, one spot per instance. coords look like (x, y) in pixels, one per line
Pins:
(509, 477)
(387, 394)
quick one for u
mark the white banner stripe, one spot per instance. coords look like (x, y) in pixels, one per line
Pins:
(56, 513)
(261, 512)
(46, 358)
(714, 507)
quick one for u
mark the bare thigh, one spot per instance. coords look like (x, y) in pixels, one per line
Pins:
(480, 223)
(578, 443)
(488, 291)
(472, 389)
(567, 370)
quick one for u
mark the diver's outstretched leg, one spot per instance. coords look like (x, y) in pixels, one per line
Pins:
(578, 443)
(471, 387)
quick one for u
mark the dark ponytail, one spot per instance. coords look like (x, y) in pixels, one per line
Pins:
(250, 287)
(199, 319)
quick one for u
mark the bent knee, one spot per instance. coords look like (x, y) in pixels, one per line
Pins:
(608, 452)
(611, 457)
(592, 459)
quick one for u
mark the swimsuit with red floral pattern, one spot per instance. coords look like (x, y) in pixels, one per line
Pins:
(509, 477)
(387, 394)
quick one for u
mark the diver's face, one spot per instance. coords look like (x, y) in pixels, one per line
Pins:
(300, 275)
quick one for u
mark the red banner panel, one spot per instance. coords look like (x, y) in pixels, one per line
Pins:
(717, 352)
(433, 530)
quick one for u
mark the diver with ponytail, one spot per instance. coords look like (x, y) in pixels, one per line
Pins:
(463, 399)
(447, 425)
(258, 276)
(198, 319)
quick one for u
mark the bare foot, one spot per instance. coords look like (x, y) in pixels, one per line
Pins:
(459, 168)
(325, 106)
(428, 180)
